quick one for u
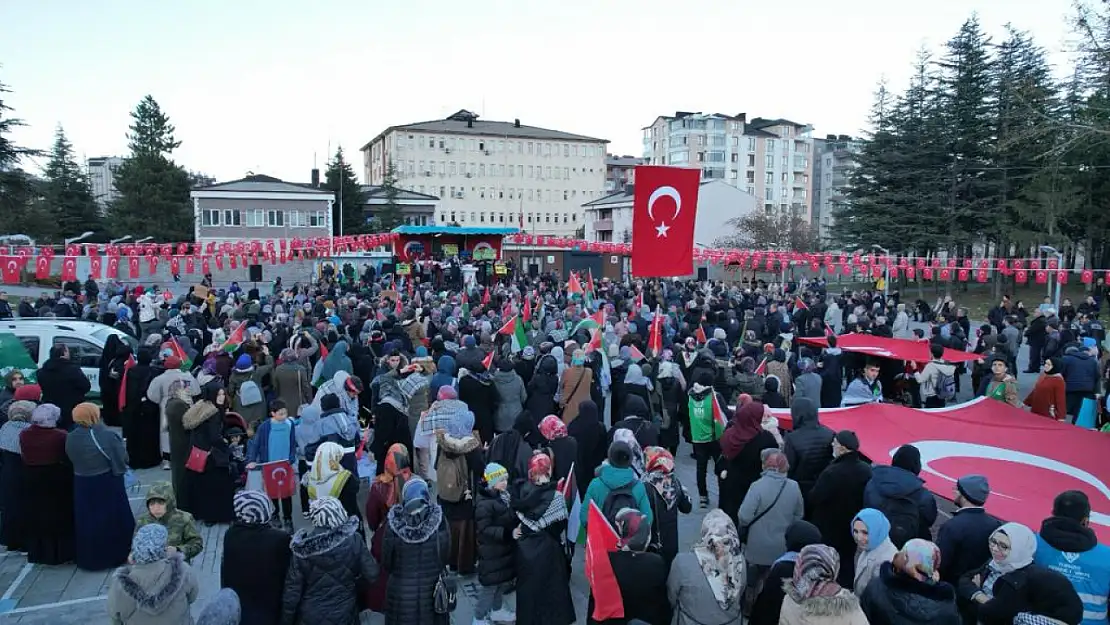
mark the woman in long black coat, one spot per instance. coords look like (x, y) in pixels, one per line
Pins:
(668, 498)
(112, 362)
(255, 559)
(414, 551)
(542, 587)
(142, 422)
(593, 446)
(542, 388)
(210, 491)
(47, 494)
(495, 522)
(477, 390)
(742, 446)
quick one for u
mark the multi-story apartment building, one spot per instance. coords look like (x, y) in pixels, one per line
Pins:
(620, 171)
(491, 172)
(101, 171)
(771, 159)
(261, 207)
(833, 161)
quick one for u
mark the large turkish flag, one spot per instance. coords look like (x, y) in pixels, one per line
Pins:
(663, 211)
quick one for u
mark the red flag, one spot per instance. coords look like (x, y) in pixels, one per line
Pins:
(655, 334)
(11, 269)
(123, 381)
(278, 479)
(574, 287)
(666, 200)
(800, 303)
(762, 368)
(399, 310)
(601, 539)
(699, 335)
(485, 296)
(487, 362)
(95, 263)
(526, 309)
(829, 330)
(69, 269)
(635, 354)
(113, 267)
(42, 267)
(133, 267)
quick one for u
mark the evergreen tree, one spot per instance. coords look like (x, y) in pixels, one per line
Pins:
(154, 191)
(388, 216)
(66, 191)
(17, 189)
(340, 179)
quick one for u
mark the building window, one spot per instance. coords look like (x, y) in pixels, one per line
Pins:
(770, 145)
(209, 217)
(769, 178)
(295, 219)
(431, 143)
(769, 193)
(751, 160)
(275, 218)
(317, 220)
(256, 218)
(452, 216)
(769, 161)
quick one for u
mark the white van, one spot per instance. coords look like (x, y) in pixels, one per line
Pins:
(85, 340)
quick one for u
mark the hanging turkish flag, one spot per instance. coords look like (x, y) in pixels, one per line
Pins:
(1053, 264)
(205, 268)
(963, 275)
(72, 249)
(1062, 277)
(846, 269)
(945, 274)
(234, 261)
(190, 265)
(911, 273)
(1042, 276)
(1021, 276)
(42, 267)
(1087, 276)
(981, 275)
(220, 262)
(283, 256)
(113, 268)
(175, 265)
(69, 269)
(927, 273)
(664, 207)
(11, 269)
(152, 264)
(95, 263)
(133, 267)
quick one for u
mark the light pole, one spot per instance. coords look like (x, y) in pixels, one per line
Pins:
(886, 269)
(1048, 249)
(144, 240)
(125, 237)
(81, 237)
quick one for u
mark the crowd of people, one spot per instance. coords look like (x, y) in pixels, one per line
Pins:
(480, 437)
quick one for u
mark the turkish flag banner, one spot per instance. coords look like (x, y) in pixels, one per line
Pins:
(663, 211)
(113, 268)
(1021, 276)
(190, 265)
(42, 267)
(1086, 277)
(175, 265)
(95, 264)
(1062, 277)
(11, 269)
(69, 269)
(204, 266)
(1042, 276)
(278, 479)
(963, 275)
(152, 264)
(133, 267)
(981, 275)
(234, 261)
(220, 262)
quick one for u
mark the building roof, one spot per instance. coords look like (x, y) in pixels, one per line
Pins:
(623, 161)
(464, 122)
(760, 123)
(258, 183)
(377, 191)
(626, 194)
(453, 230)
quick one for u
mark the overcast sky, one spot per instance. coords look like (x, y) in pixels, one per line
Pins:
(268, 86)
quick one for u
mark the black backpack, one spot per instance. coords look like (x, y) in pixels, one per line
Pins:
(618, 499)
(904, 518)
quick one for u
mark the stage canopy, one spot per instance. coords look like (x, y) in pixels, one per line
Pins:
(421, 242)
(899, 349)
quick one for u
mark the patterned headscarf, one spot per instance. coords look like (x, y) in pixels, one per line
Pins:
(552, 427)
(398, 470)
(718, 552)
(46, 415)
(539, 468)
(21, 411)
(920, 559)
(626, 436)
(252, 507)
(149, 544)
(415, 495)
(815, 573)
(327, 512)
(633, 529)
(659, 474)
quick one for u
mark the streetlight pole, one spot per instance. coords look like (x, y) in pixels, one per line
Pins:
(1048, 249)
(886, 269)
(144, 240)
(82, 236)
(125, 237)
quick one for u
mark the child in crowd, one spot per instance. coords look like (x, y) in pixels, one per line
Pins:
(496, 526)
(161, 508)
(235, 437)
(274, 441)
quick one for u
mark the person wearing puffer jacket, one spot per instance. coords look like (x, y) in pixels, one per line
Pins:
(246, 371)
(327, 561)
(223, 609)
(415, 549)
(808, 447)
(511, 396)
(154, 588)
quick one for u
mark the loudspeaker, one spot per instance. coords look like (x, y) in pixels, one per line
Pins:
(255, 273)
(533, 271)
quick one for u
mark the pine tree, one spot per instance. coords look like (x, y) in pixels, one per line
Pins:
(340, 179)
(154, 191)
(388, 216)
(17, 189)
(66, 191)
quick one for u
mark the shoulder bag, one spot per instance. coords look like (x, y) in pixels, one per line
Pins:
(742, 532)
(129, 479)
(581, 376)
(445, 597)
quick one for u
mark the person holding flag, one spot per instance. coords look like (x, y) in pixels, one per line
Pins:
(637, 590)
(543, 580)
(707, 424)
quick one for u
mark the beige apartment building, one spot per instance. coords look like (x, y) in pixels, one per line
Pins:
(770, 159)
(490, 172)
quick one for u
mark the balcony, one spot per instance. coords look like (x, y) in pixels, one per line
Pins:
(603, 225)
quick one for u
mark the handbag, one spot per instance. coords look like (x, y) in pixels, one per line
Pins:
(445, 598)
(742, 532)
(198, 459)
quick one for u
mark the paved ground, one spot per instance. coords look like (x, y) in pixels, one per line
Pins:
(62, 595)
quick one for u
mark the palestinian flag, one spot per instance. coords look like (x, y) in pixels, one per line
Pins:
(574, 287)
(235, 339)
(515, 330)
(635, 354)
(182, 355)
(594, 321)
(597, 342)
(487, 362)
(601, 540)
(762, 368)
(799, 304)
(829, 330)
(14, 356)
(719, 416)
(568, 487)
(465, 305)
(590, 293)
(655, 334)
(699, 335)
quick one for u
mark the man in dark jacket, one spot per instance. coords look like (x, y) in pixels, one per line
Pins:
(1080, 377)
(837, 498)
(63, 384)
(832, 375)
(963, 539)
(1035, 335)
(808, 446)
(899, 493)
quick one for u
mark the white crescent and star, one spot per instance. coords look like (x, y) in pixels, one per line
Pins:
(279, 471)
(661, 192)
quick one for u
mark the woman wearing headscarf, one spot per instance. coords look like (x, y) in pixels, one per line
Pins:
(777, 367)
(154, 587)
(459, 466)
(141, 417)
(415, 550)
(592, 442)
(543, 386)
(768, 604)
(290, 381)
(13, 523)
(47, 494)
(543, 587)
(448, 412)
(1048, 398)
(211, 490)
(1011, 589)
(908, 589)
(385, 492)
(112, 362)
(180, 400)
(12, 381)
(667, 497)
(813, 597)
(328, 478)
(669, 396)
(773, 502)
(638, 385)
(706, 584)
(574, 385)
(641, 576)
(255, 559)
(563, 447)
(101, 512)
(328, 561)
(511, 395)
(336, 361)
(871, 531)
(512, 449)
(742, 446)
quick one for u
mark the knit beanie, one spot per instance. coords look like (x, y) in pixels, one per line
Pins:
(494, 474)
(974, 488)
(907, 457)
(620, 455)
(244, 362)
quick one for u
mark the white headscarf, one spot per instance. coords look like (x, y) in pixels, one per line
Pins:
(1023, 545)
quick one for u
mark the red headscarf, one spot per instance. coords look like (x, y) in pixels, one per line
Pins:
(398, 470)
(552, 427)
(746, 424)
(539, 468)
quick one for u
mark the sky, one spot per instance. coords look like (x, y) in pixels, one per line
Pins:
(274, 87)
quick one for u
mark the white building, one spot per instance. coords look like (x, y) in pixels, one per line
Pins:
(610, 218)
(770, 159)
(489, 172)
(834, 160)
(102, 172)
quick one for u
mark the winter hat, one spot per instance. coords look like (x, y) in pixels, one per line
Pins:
(244, 362)
(421, 352)
(907, 457)
(719, 334)
(288, 354)
(974, 488)
(329, 402)
(494, 474)
(468, 341)
(28, 392)
(223, 609)
(528, 353)
(252, 507)
(801, 534)
(447, 392)
(848, 440)
(149, 544)
(620, 455)
(327, 513)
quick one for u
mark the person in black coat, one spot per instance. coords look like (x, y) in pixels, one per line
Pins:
(808, 447)
(742, 446)
(562, 447)
(255, 559)
(512, 449)
(496, 559)
(768, 603)
(542, 386)
(63, 384)
(477, 390)
(963, 539)
(831, 369)
(641, 576)
(837, 498)
(637, 419)
(909, 589)
(543, 586)
(112, 362)
(416, 547)
(772, 398)
(593, 442)
(668, 498)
